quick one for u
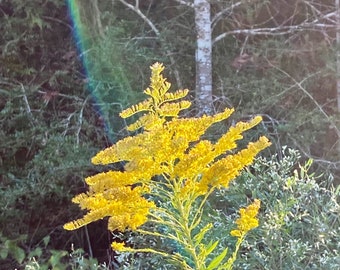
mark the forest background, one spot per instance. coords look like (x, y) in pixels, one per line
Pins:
(63, 83)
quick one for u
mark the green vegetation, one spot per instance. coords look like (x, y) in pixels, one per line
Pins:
(173, 172)
(299, 221)
(55, 114)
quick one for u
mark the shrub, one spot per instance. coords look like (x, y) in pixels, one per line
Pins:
(300, 221)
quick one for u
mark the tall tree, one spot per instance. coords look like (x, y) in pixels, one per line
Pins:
(203, 56)
(337, 6)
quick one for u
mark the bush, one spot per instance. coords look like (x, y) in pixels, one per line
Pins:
(299, 222)
(48, 125)
(300, 215)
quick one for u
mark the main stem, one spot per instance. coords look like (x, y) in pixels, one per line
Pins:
(184, 212)
(184, 231)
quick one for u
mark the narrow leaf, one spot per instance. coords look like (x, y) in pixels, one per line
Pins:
(217, 261)
(198, 237)
(211, 246)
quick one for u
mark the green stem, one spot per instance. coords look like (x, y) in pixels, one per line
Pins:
(184, 208)
(169, 236)
(198, 215)
(174, 257)
(165, 218)
(232, 259)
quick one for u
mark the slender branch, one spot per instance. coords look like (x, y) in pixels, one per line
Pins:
(219, 15)
(198, 215)
(158, 34)
(80, 120)
(136, 9)
(186, 3)
(96, 12)
(299, 85)
(88, 241)
(160, 216)
(28, 108)
(162, 235)
(58, 21)
(62, 95)
(317, 11)
(282, 30)
(13, 41)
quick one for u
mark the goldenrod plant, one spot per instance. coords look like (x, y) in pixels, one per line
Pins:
(169, 173)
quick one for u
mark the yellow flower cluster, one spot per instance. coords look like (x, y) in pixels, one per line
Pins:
(170, 147)
(247, 220)
(125, 206)
(120, 247)
(157, 106)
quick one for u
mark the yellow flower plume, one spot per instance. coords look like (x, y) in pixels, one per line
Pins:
(125, 207)
(169, 148)
(157, 106)
(247, 220)
(118, 246)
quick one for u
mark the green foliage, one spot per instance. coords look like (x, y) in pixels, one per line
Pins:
(37, 158)
(289, 77)
(10, 248)
(42, 257)
(114, 62)
(173, 172)
(47, 120)
(300, 224)
(48, 126)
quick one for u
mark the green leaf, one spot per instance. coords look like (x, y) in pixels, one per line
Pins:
(198, 237)
(35, 253)
(3, 253)
(18, 254)
(211, 246)
(55, 259)
(9, 244)
(217, 261)
(46, 240)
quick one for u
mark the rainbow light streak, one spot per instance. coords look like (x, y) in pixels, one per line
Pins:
(79, 31)
(80, 34)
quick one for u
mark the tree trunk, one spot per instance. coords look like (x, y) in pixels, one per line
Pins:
(337, 7)
(203, 56)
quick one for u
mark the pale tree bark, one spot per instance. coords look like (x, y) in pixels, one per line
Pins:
(203, 56)
(203, 89)
(337, 7)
